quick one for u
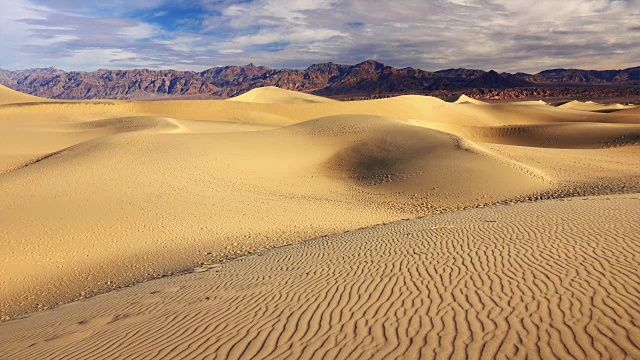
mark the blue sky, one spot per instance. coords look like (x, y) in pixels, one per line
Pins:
(505, 35)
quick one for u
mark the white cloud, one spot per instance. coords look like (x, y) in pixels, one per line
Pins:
(273, 12)
(15, 33)
(104, 58)
(230, 51)
(506, 35)
(140, 31)
(282, 35)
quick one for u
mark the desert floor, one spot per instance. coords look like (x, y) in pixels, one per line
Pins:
(100, 195)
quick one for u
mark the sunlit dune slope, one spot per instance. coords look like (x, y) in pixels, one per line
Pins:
(9, 96)
(593, 106)
(181, 195)
(96, 195)
(274, 95)
(464, 99)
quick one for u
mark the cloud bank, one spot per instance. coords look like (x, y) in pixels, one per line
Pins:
(505, 35)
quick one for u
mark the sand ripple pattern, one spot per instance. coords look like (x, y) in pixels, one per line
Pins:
(553, 279)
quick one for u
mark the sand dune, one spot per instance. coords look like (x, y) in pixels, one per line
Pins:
(9, 96)
(558, 135)
(103, 194)
(554, 279)
(593, 106)
(274, 95)
(464, 99)
(355, 171)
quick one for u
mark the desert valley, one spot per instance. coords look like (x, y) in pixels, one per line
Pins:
(280, 224)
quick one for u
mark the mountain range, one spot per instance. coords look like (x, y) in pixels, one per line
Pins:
(369, 78)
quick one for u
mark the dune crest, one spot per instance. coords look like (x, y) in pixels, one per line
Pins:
(9, 96)
(275, 95)
(464, 99)
(593, 106)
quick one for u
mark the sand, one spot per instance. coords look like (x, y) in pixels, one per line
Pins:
(593, 106)
(552, 279)
(98, 195)
(464, 99)
(275, 95)
(9, 96)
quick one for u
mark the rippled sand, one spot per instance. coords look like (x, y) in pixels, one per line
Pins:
(552, 279)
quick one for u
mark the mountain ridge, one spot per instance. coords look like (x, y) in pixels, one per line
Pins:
(330, 79)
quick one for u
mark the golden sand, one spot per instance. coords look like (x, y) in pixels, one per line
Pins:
(97, 195)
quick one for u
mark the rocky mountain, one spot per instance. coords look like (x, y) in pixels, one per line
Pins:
(629, 76)
(369, 78)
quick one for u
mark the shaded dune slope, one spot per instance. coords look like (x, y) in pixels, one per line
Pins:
(390, 156)
(553, 279)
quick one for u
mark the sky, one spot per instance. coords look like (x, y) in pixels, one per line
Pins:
(503, 35)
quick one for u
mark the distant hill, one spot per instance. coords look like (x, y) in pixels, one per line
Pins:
(629, 76)
(369, 78)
